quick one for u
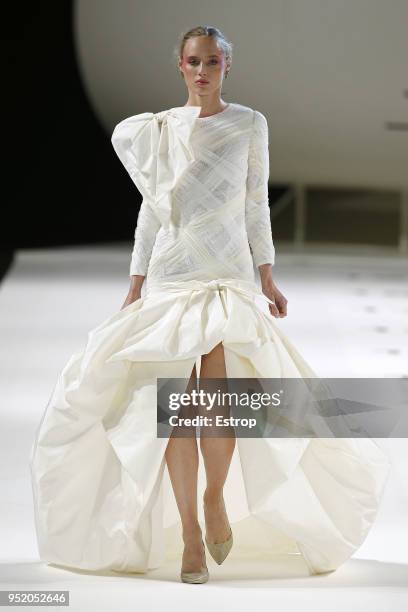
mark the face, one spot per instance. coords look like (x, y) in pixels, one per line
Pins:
(203, 60)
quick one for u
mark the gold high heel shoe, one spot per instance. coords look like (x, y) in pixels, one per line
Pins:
(195, 577)
(220, 550)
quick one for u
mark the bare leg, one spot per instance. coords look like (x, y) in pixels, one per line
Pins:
(182, 463)
(217, 452)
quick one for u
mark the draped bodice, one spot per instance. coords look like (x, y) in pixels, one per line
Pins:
(204, 182)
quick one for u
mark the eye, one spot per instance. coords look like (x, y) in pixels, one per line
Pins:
(213, 61)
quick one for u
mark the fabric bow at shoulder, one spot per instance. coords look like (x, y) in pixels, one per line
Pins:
(155, 150)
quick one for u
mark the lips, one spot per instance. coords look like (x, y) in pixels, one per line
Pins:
(202, 81)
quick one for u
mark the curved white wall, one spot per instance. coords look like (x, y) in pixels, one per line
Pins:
(327, 75)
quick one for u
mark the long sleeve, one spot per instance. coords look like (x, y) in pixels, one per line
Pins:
(134, 140)
(257, 213)
(145, 236)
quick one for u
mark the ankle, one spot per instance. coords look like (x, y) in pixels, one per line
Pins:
(191, 534)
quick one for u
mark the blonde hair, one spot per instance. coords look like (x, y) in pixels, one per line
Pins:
(210, 31)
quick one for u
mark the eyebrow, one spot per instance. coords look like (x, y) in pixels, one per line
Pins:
(196, 57)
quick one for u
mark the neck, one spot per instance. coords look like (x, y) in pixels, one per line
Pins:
(209, 104)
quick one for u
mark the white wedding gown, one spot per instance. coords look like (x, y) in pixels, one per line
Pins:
(102, 495)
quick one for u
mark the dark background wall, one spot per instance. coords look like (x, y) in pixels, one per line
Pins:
(63, 182)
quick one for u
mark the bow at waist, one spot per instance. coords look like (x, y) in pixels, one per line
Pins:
(246, 289)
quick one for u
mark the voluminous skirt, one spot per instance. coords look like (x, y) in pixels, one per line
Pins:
(102, 494)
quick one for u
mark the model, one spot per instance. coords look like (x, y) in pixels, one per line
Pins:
(203, 249)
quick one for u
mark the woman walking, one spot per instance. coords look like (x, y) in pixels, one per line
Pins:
(204, 253)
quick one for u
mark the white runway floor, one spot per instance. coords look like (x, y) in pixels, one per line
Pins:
(347, 315)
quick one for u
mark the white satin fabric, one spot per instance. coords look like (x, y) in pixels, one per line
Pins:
(102, 494)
